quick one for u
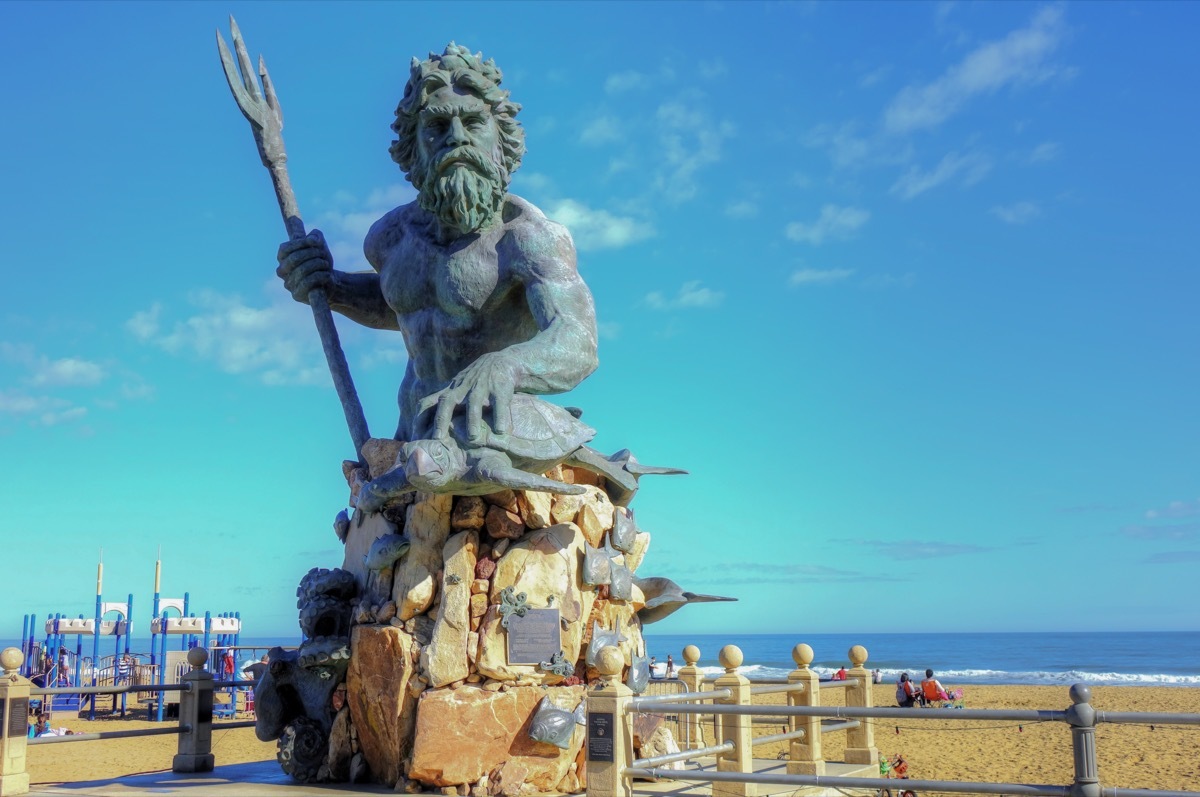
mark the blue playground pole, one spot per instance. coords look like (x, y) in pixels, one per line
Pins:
(207, 628)
(162, 670)
(95, 639)
(77, 676)
(185, 641)
(24, 645)
(128, 637)
(237, 632)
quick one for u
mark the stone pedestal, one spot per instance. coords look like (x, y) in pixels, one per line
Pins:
(434, 692)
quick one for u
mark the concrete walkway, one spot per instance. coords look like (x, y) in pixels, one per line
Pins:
(265, 779)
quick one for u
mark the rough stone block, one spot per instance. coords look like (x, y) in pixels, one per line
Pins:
(445, 659)
(545, 566)
(503, 524)
(466, 734)
(427, 526)
(382, 666)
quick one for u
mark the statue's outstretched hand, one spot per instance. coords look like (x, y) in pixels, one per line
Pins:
(305, 264)
(489, 381)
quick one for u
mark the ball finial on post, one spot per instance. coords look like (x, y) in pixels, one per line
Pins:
(11, 660)
(858, 656)
(197, 657)
(691, 655)
(802, 654)
(730, 657)
(610, 661)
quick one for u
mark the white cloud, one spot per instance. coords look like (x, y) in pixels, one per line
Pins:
(601, 130)
(691, 295)
(818, 276)
(1018, 59)
(844, 148)
(873, 77)
(1046, 151)
(833, 223)
(39, 410)
(276, 342)
(1017, 213)
(690, 140)
(624, 81)
(742, 209)
(971, 168)
(346, 224)
(67, 372)
(712, 69)
(1175, 509)
(608, 330)
(597, 229)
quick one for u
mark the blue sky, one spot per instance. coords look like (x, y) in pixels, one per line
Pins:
(910, 289)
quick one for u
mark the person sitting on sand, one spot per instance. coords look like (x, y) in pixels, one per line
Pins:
(906, 691)
(840, 675)
(931, 689)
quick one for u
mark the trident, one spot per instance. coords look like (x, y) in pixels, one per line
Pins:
(266, 121)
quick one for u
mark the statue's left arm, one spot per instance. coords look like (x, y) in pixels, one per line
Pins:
(557, 358)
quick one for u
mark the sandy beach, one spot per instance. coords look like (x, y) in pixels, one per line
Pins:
(1130, 756)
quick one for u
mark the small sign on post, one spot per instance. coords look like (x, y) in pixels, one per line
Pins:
(600, 737)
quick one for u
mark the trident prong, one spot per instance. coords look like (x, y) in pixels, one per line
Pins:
(266, 121)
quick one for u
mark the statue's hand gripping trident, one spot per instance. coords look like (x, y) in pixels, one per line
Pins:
(266, 120)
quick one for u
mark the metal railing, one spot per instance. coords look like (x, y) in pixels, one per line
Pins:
(732, 711)
(194, 729)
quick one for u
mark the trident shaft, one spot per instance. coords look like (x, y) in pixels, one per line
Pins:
(266, 120)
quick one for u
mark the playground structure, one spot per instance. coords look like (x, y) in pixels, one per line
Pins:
(48, 663)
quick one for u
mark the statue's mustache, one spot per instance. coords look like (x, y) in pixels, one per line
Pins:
(469, 155)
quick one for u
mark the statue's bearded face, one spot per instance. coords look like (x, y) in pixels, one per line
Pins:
(458, 168)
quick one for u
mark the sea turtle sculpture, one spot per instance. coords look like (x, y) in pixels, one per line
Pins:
(543, 435)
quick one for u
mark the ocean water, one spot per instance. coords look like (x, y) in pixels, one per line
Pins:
(1108, 658)
(1122, 659)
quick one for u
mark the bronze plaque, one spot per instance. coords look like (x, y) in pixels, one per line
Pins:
(535, 637)
(18, 720)
(600, 736)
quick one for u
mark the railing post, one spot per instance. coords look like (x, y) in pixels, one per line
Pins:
(860, 741)
(692, 678)
(1082, 719)
(734, 728)
(14, 724)
(805, 756)
(609, 732)
(195, 717)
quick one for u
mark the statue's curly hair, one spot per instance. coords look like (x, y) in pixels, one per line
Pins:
(456, 67)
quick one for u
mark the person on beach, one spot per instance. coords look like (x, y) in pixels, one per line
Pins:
(227, 664)
(931, 689)
(653, 664)
(124, 669)
(258, 669)
(906, 691)
(877, 677)
(670, 667)
(840, 675)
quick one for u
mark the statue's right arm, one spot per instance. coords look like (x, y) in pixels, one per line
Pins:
(306, 264)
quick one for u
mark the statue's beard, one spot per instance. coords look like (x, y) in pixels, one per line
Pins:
(466, 195)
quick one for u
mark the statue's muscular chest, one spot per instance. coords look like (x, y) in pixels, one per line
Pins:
(450, 284)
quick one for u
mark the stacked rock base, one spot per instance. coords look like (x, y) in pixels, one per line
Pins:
(434, 696)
